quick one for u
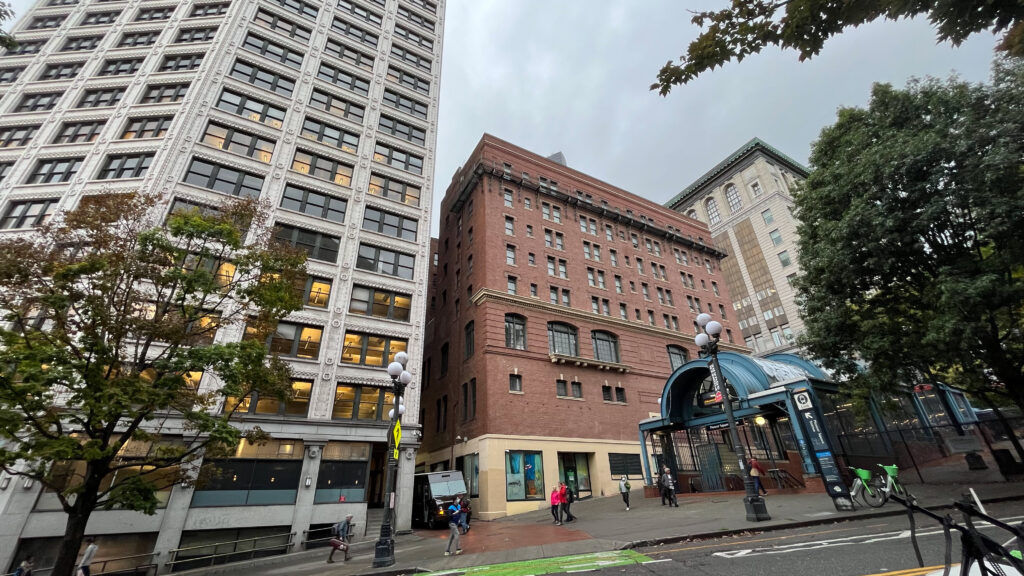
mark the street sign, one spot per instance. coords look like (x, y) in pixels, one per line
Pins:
(814, 429)
(398, 436)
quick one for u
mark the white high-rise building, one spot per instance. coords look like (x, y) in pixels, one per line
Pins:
(325, 109)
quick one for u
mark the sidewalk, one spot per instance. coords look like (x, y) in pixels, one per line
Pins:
(603, 525)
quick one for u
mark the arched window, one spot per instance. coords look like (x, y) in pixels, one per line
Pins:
(515, 331)
(562, 339)
(692, 214)
(714, 217)
(606, 346)
(677, 356)
(732, 195)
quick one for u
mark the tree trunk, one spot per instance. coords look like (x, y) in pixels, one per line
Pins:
(74, 530)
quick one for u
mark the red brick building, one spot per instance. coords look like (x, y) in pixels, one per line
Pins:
(559, 305)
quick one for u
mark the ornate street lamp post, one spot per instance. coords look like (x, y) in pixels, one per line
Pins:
(384, 551)
(708, 342)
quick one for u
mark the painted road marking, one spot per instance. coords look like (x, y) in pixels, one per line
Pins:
(575, 564)
(770, 539)
(845, 541)
(917, 571)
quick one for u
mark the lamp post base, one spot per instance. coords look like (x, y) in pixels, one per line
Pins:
(756, 509)
(384, 553)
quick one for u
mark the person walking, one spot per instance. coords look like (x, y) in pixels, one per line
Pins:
(464, 522)
(26, 566)
(756, 472)
(668, 488)
(624, 490)
(567, 497)
(88, 555)
(454, 518)
(342, 536)
(556, 505)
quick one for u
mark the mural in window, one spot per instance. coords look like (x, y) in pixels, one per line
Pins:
(524, 475)
(344, 470)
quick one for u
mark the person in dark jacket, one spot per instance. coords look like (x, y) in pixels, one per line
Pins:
(342, 535)
(566, 496)
(668, 488)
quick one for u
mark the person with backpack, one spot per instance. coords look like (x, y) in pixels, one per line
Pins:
(342, 532)
(454, 518)
(464, 521)
(566, 497)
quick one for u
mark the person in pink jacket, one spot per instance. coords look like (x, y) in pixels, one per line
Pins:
(556, 505)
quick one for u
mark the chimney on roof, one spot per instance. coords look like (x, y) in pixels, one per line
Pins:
(557, 158)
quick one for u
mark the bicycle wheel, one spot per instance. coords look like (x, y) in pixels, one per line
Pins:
(874, 493)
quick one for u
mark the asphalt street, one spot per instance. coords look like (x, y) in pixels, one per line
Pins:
(856, 548)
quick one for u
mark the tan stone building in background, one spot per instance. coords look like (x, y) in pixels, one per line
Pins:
(747, 202)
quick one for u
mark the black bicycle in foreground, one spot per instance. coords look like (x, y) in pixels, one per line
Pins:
(980, 554)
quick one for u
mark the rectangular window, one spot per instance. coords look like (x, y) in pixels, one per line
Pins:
(336, 106)
(11, 136)
(423, 22)
(620, 394)
(407, 105)
(390, 224)
(625, 464)
(357, 58)
(314, 203)
(322, 168)
(767, 216)
(273, 51)
(784, 258)
(262, 78)
(96, 18)
(120, 67)
(355, 32)
(317, 245)
(409, 80)
(27, 47)
(81, 43)
(238, 142)
(164, 93)
(181, 62)
(46, 22)
(317, 292)
(343, 79)
(403, 130)
(298, 7)
(283, 25)
(776, 237)
(223, 179)
(251, 108)
(192, 35)
(28, 214)
(413, 38)
(154, 14)
(292, 340)
(425, 4)
(61, 71)
(146, 127)
(352, 9)
(203, 10)
(54, 170)
(132, 39)
(362, 403)
(125, 166)
(78, 132)
(331, 135)
(398, 159)
(512, 285)
(384, 261)
(410, 57)
(524, 476)
(387, 187)
(371, 350)
(380, 303)
(101, 98)
(515, 383)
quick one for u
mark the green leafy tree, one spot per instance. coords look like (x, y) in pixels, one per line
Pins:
(109, 319)
(6, 14)
(749, 26)
(911, 240)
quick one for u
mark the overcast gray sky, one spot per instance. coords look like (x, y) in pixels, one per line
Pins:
(573, 75)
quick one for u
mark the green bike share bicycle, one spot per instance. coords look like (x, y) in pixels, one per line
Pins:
(874, 490)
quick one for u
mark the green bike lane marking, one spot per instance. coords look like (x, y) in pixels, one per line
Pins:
(578, 562)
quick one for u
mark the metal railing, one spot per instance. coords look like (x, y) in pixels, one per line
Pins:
(111, 566)
(181, 559)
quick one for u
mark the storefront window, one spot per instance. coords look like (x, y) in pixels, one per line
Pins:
(259, 474)
(524, 475)
(469, 465)
(343, 473)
